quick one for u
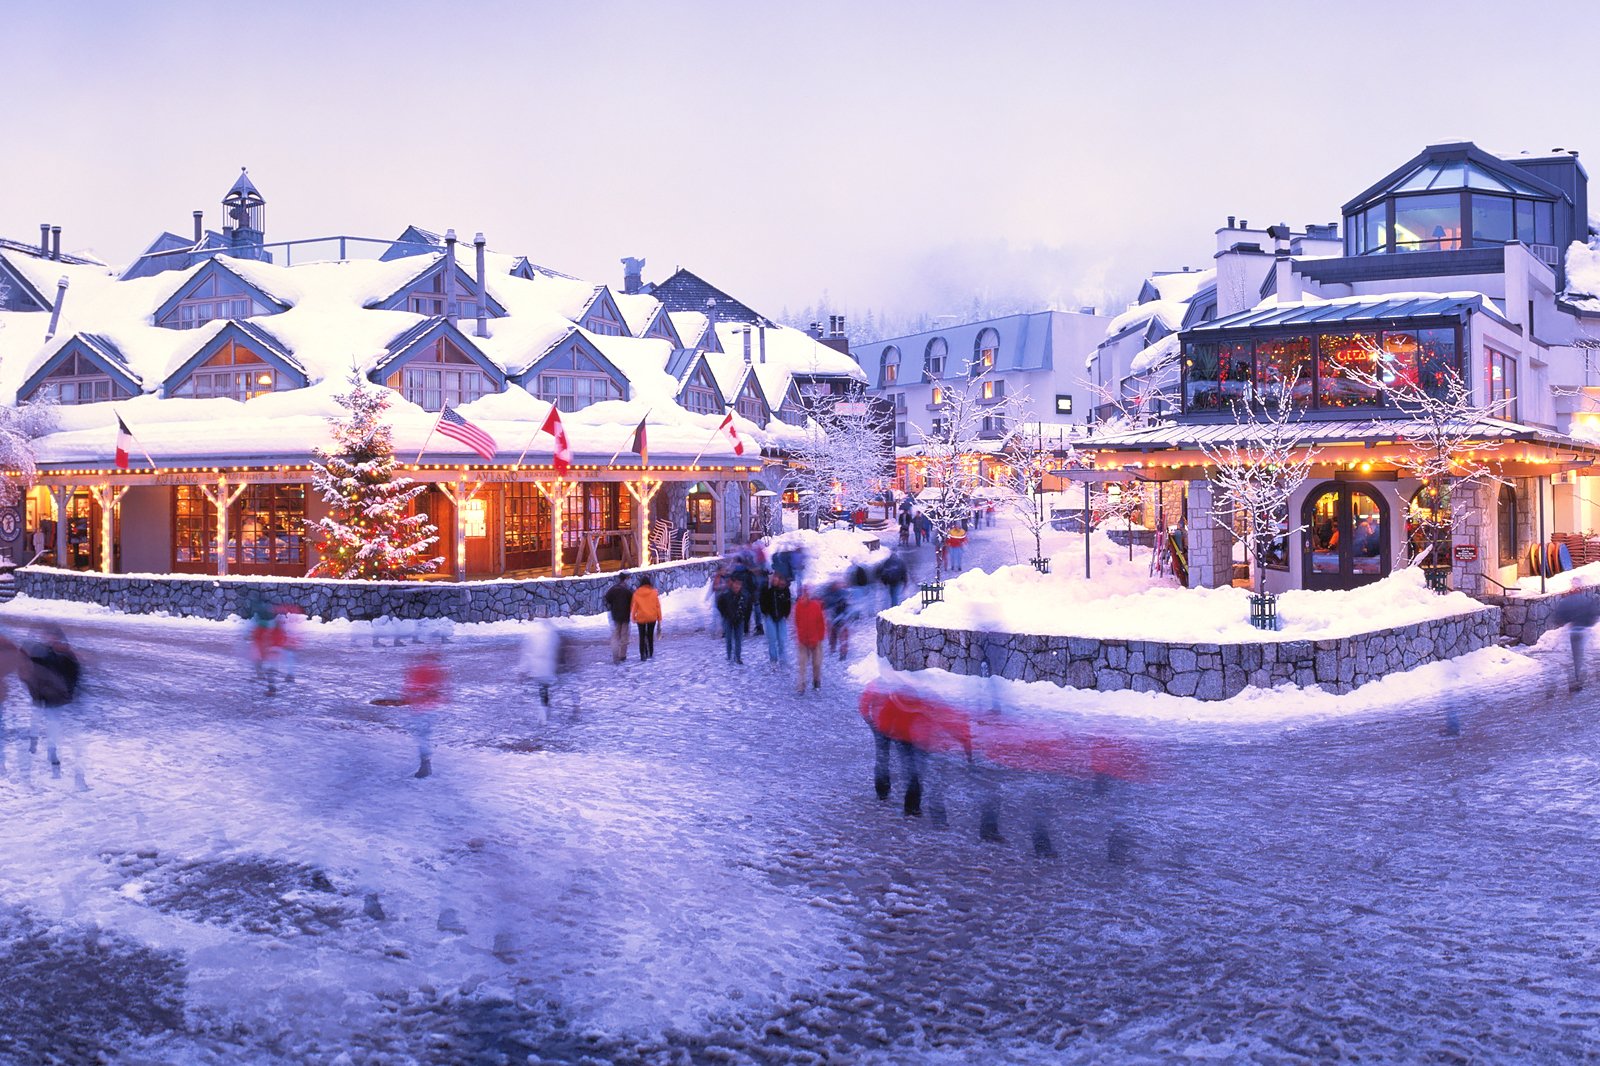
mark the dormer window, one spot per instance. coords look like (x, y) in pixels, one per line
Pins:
(234, 372)
(441, 374)
(933, 358)
(749, 406)
(431, 298)
(573, 381)
(984, 352)
(889, 366)
(211, 299)
(78, 381)
(700, 396)
(1452, 203)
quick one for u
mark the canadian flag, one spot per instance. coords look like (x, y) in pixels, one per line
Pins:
(563, 452)
(124, 443)
(733, 434)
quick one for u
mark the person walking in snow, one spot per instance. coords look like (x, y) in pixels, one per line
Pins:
(619, 604)
(954, 544)
(645, 608)
(810, 629)
(264, 644)
(924, 527)
(730, 608)
(541, 657)
(836, 602)
(51, 675)
(776, 605)
(1578, 612)
(893, 574)
(423, 693)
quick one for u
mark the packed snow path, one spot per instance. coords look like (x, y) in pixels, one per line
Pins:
(687, 863)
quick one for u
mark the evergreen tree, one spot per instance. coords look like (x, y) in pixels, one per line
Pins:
(369, 532)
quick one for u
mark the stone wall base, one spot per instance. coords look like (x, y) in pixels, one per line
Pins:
(226, 597)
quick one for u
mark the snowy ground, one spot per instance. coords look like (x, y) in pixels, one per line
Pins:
(687, 864)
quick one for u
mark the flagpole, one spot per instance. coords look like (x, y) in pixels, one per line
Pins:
(426, 439)
(538, 428)
(614, 458)
(725, 416)
(142, 449)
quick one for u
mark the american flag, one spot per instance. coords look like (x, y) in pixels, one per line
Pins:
(453, 425)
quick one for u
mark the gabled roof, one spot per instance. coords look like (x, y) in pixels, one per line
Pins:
(702, 373)
(681, 361)
(604, 301)
(99, 350)
(216, 265)
(1357, 309)
(686, 291)
(409, 342)
(413, 240)
(11, 276)
(253, 336)
(396, 297)
(581, 340)
(660, 326)
(1457, 165)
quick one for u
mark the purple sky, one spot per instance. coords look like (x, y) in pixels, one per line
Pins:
(901, 157)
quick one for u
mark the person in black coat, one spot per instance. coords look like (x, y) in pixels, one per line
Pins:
(893, 574)
(619, 604)
(1578, 611)
(51, 675)
(776, 604)
(730, 608)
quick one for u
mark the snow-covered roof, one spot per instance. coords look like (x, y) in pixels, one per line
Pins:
(1583, 277)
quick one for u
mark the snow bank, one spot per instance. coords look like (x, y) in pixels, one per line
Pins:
(1122, 601)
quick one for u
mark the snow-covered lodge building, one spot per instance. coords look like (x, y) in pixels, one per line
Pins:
(1459, 259)
(222, 354)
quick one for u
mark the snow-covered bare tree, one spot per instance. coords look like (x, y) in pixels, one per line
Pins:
(1444, 431)
(20, 427)
(952, 464)
(1030, 455)
(1257, 470)
(368, 532)
(845, 458)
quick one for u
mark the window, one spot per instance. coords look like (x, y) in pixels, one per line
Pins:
(432, 298)
(985, 351)
(572, 379)
(601, 323)
(749, 406)
(1507, 515)
(889, 366)
(213, 298)
(527, 527)
(266, 531)
(78, 381)
(1063, 404)
(441, 374)
(1491, 219)
(234, 372)
(1279, 361)
(700, 395)
(938, 397)
(1428, 523)
(988, 390)
(933, 358)
(1500, 372)
(1337, 353)
(1427, 223)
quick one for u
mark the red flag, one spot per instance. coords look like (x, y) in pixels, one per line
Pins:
(124, 443)
(733, 434)
(641, 446)
(563, 450)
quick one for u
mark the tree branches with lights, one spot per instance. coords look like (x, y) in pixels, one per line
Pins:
(844, 458)
(369, 532)
(20, 427)
(952, 465)
(1258, 469)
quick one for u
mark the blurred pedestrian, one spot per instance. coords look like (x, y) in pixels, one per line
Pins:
(51, 675)
(264, 637)
(893, 574)
(923, 526)
(424, 694)
(1578, 611)
(988, 514)
(730, 606)
(619, 602)
(286, 637)
(905, 527)
(645, 609)
(776, 605)
(954, 545)
(541, 657)
(836, 602)
(810, 629)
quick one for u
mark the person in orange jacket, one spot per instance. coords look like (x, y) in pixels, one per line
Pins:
(647, 615)
(810, 629)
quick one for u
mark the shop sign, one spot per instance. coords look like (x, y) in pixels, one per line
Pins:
(1466, 553)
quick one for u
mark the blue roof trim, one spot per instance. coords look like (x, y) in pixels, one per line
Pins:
(1377, 310)
(100, 351)
(210, 267)
(752, 381)
(406, 344)
(531, 372)
(663, 320)
(1461, 150)
(264, 344)
(698, 369)
(27, 287)
(681, 361)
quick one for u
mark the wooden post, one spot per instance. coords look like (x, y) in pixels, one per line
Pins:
(62, 494)
(719, 529)
(223, 501)
(642, 492)
(456, 493)
(108, 498)
(556, 493)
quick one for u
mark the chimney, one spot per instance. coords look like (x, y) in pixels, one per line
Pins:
(44, 239)
(450, 306)
(483, 287)
(199, 226)
(632, 274)
(55, 312)
(814, 331)
(763, 329)
(1288, 284)
(1230, 221)
(746, 332)
(55, 242)
(1243, 224)
(1086, 310)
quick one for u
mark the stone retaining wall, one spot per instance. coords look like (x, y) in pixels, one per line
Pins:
(1524, 619)
(200, 596)
(1204, 671)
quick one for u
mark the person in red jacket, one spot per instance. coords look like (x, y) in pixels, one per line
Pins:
(424, 692)
(810, 629)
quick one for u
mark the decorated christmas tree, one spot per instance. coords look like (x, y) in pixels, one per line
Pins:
(369, 531)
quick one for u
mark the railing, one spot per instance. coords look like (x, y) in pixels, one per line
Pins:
(289, 253)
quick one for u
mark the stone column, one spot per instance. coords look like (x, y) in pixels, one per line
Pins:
(1472, 521)
(1210, 543)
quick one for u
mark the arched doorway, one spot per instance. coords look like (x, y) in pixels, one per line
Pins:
(1346, 540)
